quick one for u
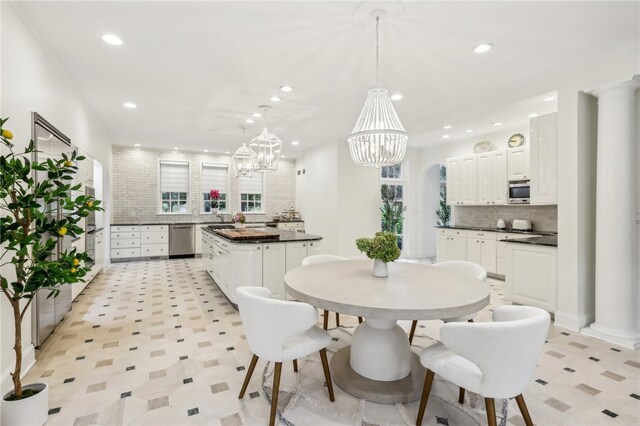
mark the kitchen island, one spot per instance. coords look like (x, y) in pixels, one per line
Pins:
(258, 262)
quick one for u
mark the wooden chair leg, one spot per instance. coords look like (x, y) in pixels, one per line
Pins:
(295, 365)
(337, 319)
(491, 411)
(425, 396)
(359, 320)
(414, 324)
(325, 321)
(247, 378)
(327, 373)
(523, 410)
(461, 396)
(274, 395)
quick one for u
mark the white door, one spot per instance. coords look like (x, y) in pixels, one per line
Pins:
(543, 159)
(489, 253)
(453, 181)
(518, 163)
(499, 181)
(273, 268)
(458, 248)
(469, 180)
(485, 177)
(295, 253)
(474, 250)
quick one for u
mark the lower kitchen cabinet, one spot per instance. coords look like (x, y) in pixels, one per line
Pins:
(481, 249)
(295, 253)
(451, 245)
(130, 241)
(501, 250)
(532, 275)
(273, 268)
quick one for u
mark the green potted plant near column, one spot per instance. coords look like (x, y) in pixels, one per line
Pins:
(31, 259)
(382, 248)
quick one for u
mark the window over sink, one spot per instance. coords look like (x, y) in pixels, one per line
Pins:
(251, 190)
(214, 177)
(174, 187)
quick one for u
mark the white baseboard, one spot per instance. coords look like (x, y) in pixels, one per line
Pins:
(573, 322)
(28, 360)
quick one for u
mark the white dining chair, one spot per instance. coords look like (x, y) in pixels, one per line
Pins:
(321, 258)
(469, 269)
(493, 359)
(280, 330)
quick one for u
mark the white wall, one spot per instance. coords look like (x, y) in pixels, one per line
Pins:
(32, 81)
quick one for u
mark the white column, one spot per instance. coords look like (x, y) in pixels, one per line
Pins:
(617, 290)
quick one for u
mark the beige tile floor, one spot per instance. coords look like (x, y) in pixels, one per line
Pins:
(156, 343)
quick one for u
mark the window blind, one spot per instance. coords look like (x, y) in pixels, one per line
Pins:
(251, 185)
(215, 176)
(174, 176)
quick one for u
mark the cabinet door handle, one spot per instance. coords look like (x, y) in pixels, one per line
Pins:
(258, 248)
(304, 245)
(266, 247)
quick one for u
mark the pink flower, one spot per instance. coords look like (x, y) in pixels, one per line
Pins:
(214, 194)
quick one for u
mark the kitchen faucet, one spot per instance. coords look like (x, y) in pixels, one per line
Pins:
(221, 216)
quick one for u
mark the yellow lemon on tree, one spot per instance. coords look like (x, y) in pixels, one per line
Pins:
(89, 203)
(73, 270)
(76, 262)
(68, 163)
(62, 231)
(7, 134)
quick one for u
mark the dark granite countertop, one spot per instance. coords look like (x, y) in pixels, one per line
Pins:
(545, 240)
(209, 222)
(285, 236)
(504, 231)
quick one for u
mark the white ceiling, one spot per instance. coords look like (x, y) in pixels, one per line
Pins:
(197, 70)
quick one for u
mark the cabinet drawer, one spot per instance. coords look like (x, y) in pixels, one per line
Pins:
(127, 252)
(482, 235)
(154, 228)
(124, 228)
(511, 236)
(154, 250)
(125, 235)
(125, 243)
(452, 232)
(154, 238)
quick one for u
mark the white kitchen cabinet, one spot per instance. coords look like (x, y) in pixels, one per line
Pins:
(100, 248)
(314, 247)
(244, 268)
(485, 178)
(198, 236)
(501, 249)
(296, 251)
(154, 240)
(499, 180)
(531, 275)
(518, 164)
(274, 257)
(544, 159)
(469, 180)
(125, 241)
(291, 226)
(481, 249)
(451, 245)
(454, 181)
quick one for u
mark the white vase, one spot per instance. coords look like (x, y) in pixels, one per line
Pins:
(214, 210)
(32, 411)
(380, 268)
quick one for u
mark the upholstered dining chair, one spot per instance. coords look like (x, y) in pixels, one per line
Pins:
(470, 269)
(280, 330)
(493, 359)
(321, 258)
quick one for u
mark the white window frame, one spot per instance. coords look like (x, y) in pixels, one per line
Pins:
(262, 196)
(228, 200)
(159, 187)
(398, 182)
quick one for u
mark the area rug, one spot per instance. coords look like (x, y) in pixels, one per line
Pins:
(303, 398)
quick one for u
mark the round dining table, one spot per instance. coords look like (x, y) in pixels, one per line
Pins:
(379, 365)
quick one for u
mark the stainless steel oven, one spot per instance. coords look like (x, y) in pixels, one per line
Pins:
(520, 192)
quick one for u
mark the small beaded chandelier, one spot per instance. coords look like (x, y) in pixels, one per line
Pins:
(265, 148)
(242, 163)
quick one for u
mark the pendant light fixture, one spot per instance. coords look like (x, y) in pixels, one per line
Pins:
(242, 163)
(265, 148)
(378, 138)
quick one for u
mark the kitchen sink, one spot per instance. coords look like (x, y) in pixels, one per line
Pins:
(221, 226)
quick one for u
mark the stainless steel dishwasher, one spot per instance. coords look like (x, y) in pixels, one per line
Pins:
(181, 240)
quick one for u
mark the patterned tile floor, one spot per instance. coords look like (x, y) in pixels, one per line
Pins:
(156, 343)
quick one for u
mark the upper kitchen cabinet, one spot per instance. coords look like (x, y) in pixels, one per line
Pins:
(544, 159)
(454, 181)
(461, 181)
(518, 163)
(469, 176)
(492, 177)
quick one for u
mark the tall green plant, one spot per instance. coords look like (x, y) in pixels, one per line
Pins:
(444, 212)
(392, 210)
(29, 237)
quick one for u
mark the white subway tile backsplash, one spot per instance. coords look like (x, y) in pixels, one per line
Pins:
(543, 218)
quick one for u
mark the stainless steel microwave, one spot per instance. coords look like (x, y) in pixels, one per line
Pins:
(519, 192)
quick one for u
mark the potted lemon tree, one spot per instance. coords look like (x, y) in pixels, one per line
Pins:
(29, 246)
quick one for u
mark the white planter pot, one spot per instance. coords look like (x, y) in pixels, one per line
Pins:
(380, 268)
(214, 210)
(32, 411)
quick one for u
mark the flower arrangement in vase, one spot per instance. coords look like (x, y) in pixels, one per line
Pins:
(382, 248)
(239, 220)
(214, 196)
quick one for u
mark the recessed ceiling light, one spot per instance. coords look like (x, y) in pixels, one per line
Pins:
(112, 39)
(274, 99)
(469, 130)
(249, 121)
(448, 126)
(295, 143)
(396, 97)
(286, 88)
(175, 148)
(482, 48)
(206, 150)
(497, 123)
(445, 136)
(130, 105)
(256, 115)
(136, 144)
(227, 152)
(549, 99)
(532, 115)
